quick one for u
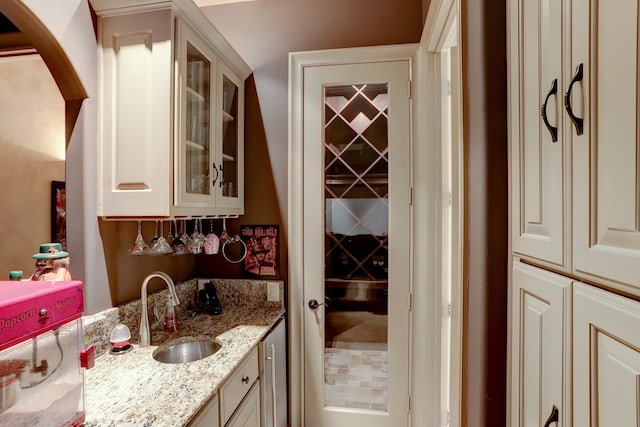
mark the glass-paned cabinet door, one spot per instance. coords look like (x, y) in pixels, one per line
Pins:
(194, 148)
(230, 185)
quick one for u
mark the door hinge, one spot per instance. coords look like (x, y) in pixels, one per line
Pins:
(410, 195)
(446, 312)
(410, 301)
(446, 418)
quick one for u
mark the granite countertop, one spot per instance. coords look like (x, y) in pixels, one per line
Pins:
(133, 389)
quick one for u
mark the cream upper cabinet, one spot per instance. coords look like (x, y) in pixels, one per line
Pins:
(606, 358)
(606, 158)
(171, 112)
(540, 348)
(537, 132)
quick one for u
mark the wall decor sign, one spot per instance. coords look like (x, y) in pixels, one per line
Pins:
(59, 213)
(262, 250)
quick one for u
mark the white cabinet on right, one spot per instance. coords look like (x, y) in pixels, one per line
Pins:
(606, 358)
(538, 153)
(606, 160)
(575, 138)
(540, 347)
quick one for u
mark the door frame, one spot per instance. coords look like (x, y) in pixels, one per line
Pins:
(433, 191)
(298, 61)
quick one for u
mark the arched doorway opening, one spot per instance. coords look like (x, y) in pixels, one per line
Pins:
(64, 36)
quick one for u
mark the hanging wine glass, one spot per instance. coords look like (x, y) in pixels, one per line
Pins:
(197, 238)
(224, 236)
(139, 247)
(184, 236)
(178, 246)
(211, 241)
(169, 237)
(155, 236)
(161, 247)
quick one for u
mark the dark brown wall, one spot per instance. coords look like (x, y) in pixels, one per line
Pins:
(261, 206)
(126, 272)
(485, 271)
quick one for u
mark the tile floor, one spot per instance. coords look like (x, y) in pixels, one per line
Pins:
(356, 378)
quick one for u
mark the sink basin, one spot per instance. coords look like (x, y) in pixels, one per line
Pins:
(186, 351)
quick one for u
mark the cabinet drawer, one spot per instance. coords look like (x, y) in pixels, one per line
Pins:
(237, 386)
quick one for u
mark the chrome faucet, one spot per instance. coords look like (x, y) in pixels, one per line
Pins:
(145, 335)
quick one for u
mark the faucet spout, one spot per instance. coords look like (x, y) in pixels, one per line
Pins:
(145, 334)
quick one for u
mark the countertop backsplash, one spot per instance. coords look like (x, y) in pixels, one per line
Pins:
(232, 293)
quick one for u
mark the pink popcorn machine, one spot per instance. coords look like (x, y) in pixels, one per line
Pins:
(42, 356)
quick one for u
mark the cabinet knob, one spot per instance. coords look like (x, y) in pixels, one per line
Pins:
(245, 380)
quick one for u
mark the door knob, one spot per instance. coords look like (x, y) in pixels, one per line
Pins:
(313, 304)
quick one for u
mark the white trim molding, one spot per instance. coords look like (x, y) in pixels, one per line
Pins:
(438, 209)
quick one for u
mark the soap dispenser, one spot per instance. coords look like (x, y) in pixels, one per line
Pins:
(170, 316)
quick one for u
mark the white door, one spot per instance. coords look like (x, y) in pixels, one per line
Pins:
(606, 176)
(356, 250)
(606, 358)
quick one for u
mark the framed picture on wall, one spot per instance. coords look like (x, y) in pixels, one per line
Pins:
(263, 243)
(59, 213)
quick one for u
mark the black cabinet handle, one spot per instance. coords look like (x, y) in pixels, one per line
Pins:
(577, 121)
(215, 169)
(221, 175)
(553, 130)
(553, 417)
(245, 380)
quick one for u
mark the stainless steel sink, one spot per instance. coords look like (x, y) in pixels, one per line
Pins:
(185, 352)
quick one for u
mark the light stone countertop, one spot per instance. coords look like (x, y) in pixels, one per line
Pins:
(133, 389)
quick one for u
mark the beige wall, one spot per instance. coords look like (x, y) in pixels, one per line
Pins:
(265, 32)
(32, 149)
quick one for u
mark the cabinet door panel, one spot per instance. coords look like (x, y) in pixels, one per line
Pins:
(135, 120)
(230, 188)
(196, 134)
(606, 358)
(606, 157)
(537, 161)
(248, 413)
(540, 347)
(209, 417)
